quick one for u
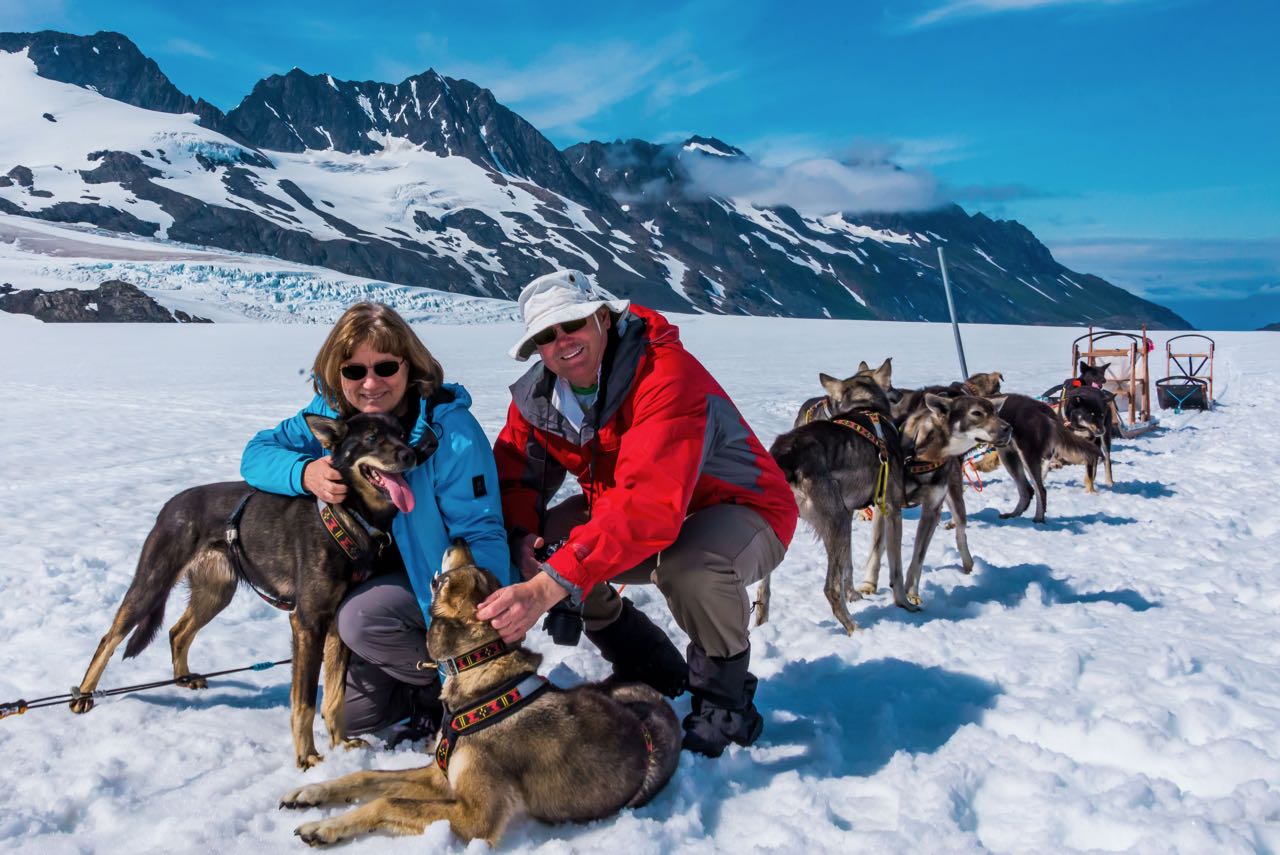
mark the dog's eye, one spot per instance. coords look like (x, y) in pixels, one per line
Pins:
(371, 438)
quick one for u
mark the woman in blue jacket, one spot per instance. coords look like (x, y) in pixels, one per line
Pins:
(372, 362)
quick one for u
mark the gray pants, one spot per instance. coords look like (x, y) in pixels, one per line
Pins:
(381, 623)
(703, 575)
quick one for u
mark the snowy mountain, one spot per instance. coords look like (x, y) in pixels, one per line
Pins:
(431, 182)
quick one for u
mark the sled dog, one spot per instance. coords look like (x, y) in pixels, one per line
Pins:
(1038, 436)
(1087, 412)
(986, 385)
(845, 395)
(511, 743)
(834, 467)
(935, 436)
(217, 536)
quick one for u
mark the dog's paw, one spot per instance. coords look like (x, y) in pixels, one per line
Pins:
(950, 525)
(306, 761)
(866, 588)
(81, 705)
(304, 797)
(914, 599)
(354, 742)
(966, 567)
(318, 833)
(1008, 515)
(193, 681)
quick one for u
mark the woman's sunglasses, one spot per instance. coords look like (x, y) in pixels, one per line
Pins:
(549, 335)
(388, 368)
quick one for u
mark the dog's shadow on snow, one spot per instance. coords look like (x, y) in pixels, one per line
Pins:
(1145, 489)
(1075, 525)
(1006, 586)
(830, 719)
(240, 694)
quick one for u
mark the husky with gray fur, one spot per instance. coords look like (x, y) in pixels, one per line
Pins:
(833, 470)
(1038, 437)
(940, 430)
(572, 755)
(843, 395)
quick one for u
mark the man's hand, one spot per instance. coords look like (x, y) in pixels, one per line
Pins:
(323, 481)
(513, 610)
(522, 554)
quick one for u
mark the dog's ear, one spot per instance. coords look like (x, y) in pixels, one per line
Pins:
(863, 366)
(937, 404)
(425, 447)
(997, 401)
(488, 583)
(884, 374)
(1104, 366)
(833, 387)
(329, 431)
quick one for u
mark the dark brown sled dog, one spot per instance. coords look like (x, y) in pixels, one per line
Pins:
(1038, 436)
(285, 552)
(512, 743)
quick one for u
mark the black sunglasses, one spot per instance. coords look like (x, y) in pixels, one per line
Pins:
(549, 335)
(387, 368)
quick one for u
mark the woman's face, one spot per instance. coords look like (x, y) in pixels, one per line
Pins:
(374, 393)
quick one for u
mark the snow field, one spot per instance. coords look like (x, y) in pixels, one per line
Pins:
(1104, 682)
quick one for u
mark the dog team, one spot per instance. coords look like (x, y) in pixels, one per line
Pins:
(413, 558)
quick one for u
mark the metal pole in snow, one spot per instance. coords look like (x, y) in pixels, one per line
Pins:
(951, 307)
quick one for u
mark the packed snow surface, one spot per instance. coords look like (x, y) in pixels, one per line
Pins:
(1106, 681)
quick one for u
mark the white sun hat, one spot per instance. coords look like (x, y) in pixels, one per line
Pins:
(565, 295)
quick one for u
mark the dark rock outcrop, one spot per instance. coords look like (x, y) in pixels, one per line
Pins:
(110, 302)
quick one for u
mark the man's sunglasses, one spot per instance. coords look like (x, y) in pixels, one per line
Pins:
(549, 335)
(387, 368)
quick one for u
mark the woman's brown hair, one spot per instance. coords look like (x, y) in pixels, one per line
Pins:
(381, 328)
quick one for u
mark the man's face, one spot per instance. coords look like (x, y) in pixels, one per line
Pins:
(576, 356)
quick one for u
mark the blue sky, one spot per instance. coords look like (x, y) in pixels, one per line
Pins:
(1138, 139)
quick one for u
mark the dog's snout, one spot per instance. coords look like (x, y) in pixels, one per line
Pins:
(405, 457)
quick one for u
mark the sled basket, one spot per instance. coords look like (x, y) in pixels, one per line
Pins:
(1183, 392)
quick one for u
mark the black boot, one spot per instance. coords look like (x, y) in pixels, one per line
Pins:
(640, 652)
(723, 711)
(426, 711)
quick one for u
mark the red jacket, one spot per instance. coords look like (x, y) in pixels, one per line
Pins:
(670, 442)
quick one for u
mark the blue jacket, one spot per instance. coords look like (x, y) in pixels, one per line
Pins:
(450, 501)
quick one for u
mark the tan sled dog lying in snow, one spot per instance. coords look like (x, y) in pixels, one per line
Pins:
(511, 742)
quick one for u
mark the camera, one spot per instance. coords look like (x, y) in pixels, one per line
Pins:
(564, 620)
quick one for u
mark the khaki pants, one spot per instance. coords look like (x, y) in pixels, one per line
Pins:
(703, 575)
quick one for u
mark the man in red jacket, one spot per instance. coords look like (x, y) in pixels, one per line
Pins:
(676, 491)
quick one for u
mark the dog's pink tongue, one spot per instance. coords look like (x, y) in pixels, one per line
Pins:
(399, 492)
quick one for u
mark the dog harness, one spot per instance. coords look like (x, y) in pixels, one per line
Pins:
(235, 552)
(876, 439)
(923, 467)
(822, 409)
(362, 558)
(482, 654)
(508, 700)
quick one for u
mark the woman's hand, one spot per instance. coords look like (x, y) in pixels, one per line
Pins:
(513, 610)
(323, 481)
(522, 555)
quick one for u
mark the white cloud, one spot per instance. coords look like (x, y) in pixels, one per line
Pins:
(188, 48)
(1178, 269)
(568, 85)
(815, 186)
(973, 8)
